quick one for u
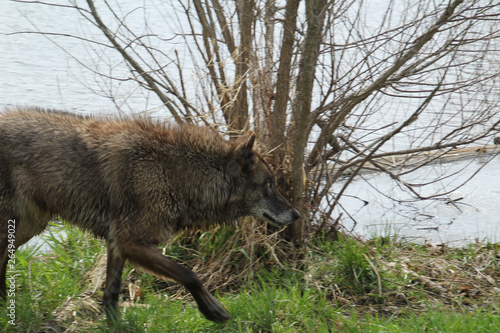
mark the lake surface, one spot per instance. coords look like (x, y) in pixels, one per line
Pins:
(39, 71)
(474, 216)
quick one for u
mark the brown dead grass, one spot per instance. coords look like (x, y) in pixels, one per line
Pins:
(421, 277)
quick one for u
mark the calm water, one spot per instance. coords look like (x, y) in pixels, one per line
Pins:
(474, 216)
(39, 71)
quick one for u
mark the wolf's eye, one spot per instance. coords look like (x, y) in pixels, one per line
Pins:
(268, 184)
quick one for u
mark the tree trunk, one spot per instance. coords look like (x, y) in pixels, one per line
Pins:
(278, 116)
(240, 108)
(315, 14)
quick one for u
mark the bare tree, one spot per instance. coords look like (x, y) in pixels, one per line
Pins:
(328, 91)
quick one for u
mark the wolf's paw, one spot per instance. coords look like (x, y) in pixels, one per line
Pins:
(215, 312)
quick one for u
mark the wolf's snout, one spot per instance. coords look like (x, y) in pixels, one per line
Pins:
(295, 215)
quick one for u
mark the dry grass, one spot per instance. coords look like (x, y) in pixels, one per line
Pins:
(418, 277)
(461, 277)
(225, 257)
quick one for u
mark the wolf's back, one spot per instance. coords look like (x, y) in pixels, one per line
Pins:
(92, 170)
(48, 167)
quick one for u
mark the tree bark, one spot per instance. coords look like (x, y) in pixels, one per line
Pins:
(278, 116)
(315, 15)
(240, 108)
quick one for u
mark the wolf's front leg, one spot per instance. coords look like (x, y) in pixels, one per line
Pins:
(151, 259)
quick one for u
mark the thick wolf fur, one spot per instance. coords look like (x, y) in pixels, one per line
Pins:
(132, 182)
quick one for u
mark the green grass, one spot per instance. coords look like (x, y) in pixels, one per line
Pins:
(332, 289)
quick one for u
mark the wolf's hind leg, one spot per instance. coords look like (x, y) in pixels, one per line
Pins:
(153, 261)
(114, 271)
(14, 232)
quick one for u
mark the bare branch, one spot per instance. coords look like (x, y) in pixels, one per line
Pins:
(151, 83)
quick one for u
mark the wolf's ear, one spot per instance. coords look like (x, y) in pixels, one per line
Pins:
(243, 155)
(246, 142)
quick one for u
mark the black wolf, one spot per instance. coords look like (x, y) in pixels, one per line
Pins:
(132, 182)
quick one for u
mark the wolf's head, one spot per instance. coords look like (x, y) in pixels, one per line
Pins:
(259, 196)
